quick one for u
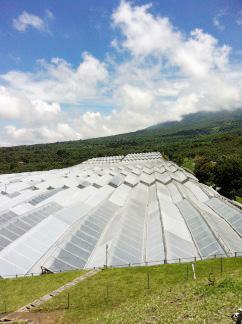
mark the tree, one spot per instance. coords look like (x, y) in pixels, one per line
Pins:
(228, 176)
(204, 170)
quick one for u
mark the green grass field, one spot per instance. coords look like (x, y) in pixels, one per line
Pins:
(18, 292)
(157, 294)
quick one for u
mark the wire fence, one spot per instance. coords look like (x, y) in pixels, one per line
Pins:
(116, 287)
(110, 288)
(126, 265)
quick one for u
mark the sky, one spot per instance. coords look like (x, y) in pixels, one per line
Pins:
(81, 69)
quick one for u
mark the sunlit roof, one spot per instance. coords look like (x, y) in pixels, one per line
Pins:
(133, 209)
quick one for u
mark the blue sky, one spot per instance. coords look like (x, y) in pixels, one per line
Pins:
(85, 26)
(126, 68)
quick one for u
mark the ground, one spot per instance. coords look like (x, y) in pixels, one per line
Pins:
(157, 294)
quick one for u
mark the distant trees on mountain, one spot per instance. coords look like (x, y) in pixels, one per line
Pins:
(211, 149)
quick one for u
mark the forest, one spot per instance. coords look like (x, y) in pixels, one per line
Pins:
(208, 144)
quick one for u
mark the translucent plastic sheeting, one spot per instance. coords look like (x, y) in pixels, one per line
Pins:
(64, 220)
(6, 217)
(231, 240)
(24, 258)
(102, 194)
(203, 236)
(174, 192)
(103, 180)
(163, 178)
(131, 180)
(179, 243)
(232, 215)
(146, 223)
(7, 203)
(128, 246)
(154, 236)
(209, 190)
(147, 179)
(76, 250)
(116, 181)
(16, 227)
(179, 176)
(65, 197)
(227, 237)
(163, 192)
(196, 190)
(120, 195)
(39, 198)
(148, 170)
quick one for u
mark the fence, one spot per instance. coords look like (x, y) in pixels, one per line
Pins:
(126, 265)
(115, 286)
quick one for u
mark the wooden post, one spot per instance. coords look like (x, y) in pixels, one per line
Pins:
(106, 262)
(68, 300)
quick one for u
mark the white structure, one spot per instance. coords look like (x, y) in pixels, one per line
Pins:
(144, 208)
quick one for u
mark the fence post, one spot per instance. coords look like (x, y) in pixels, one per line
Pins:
(221, 265)
(187, 271)
(68, 300)
(235, 254)
(106, 256)
(148, 280)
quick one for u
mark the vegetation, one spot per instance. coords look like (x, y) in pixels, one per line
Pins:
(209, 144)
(20, 291)
(157, 294)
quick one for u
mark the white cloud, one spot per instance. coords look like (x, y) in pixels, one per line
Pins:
(239, 19)
(59, 81)
(164, 74)
(217, 20)
(26, 20)
(145, 35)
(43, 134)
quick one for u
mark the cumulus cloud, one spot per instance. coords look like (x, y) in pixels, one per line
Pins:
(59, 81)
(26, 20)
(42, 134)
(163, 75)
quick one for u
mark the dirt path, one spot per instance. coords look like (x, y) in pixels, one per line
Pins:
(24, 314)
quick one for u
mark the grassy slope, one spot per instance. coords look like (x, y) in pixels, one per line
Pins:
(124, 296)
(18, 292)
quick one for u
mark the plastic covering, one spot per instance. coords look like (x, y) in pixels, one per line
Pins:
(121, 210)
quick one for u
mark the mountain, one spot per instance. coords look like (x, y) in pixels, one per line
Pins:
(201, 134)
(198, 120)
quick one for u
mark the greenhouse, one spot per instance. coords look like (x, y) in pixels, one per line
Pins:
(137, 209)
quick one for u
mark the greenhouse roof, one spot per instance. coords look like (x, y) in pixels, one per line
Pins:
(119, 210)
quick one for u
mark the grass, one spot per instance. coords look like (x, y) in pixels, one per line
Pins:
(18, 292)
(239, 199)
(157, 294)
(188, 164)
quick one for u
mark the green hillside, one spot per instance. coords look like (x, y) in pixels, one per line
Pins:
(199, 139)
(155, 294)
